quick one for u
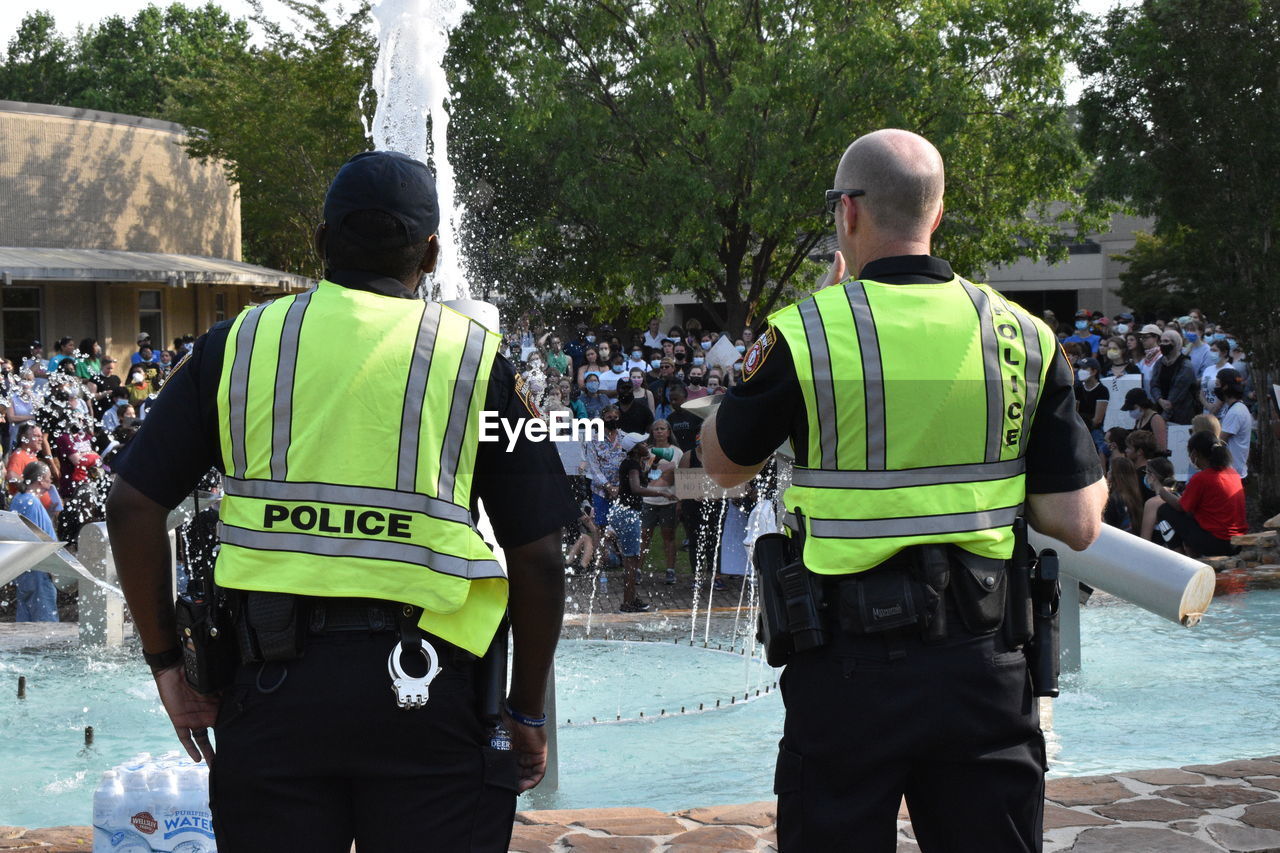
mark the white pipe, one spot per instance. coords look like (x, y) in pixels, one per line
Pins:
(1165, 582)
(484, 313)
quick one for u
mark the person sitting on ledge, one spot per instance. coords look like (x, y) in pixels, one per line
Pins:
(1211, 509)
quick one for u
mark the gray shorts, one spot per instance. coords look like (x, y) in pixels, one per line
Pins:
(658, 515)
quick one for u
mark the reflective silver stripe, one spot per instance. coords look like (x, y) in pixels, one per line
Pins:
(920, 525)
(331, 493)
(367, 549)
(1035, 359)
(414, 391)
(459, 409)
(978, 472)
(991, 370)
(238, 392)
(789, 521)
(824, 392)
(872, 374)
(286, 364)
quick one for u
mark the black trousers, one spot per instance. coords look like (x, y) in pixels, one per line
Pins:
(952, 726)
(314, 754)
(1176, 528)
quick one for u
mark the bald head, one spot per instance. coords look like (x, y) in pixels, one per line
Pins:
(902, 175)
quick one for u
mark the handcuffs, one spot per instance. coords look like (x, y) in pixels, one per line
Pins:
(411, 691)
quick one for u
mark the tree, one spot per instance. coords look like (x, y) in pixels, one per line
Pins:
(1181, 110)
(37, 64)
(636, 148)
(283, 119)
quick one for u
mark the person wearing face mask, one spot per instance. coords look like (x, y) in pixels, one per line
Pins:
(1116, 362)
(707, 342)
(1092, 398)
(1197, 350)
(633, 414)
(637, 359)
(641, 392)
(111, 417)
(616, 375)
(1174, 383)
(1210, 510)
(1082, 333)
(1237, 422)
(697, 381)
(1146, 416)
(681, 356)
(1149, 342)
(593, 398)
(606, 351)
(603, 457)
(1209, 376)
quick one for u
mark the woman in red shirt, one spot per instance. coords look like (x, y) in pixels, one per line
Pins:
(1211, 509)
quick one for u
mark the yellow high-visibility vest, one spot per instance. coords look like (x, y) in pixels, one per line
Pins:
(349, 426)
(919, 399)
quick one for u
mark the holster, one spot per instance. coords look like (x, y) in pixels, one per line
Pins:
(491, 681)
(272, 627)
(791, 600)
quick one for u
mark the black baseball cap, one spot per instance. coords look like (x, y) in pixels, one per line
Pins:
(392, 183)
(1134, 397)
(1088, 362)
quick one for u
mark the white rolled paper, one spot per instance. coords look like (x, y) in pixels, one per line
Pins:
(484, 313)
(1165, 582)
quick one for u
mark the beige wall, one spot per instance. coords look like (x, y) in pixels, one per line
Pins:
(72, 179)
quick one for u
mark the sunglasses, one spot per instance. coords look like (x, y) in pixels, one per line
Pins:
(834, 196)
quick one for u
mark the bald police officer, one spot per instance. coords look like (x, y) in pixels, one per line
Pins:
(345, 421)
(926, 413)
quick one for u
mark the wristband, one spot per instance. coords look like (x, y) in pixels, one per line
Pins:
(162, 660)
(525, 720)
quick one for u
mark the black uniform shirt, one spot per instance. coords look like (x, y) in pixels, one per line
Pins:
(762, 411)
(524, 491)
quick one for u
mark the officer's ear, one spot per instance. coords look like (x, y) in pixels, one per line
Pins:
(937, 220)
(428, 264)
(318, 240)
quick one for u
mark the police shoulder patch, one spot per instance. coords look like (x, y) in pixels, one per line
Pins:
(523, 393)
(758, 352)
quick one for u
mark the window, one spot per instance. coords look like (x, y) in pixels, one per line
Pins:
(151, 316)
(219, 307)
(21, 324)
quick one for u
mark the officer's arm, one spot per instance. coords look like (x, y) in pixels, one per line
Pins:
(537, 610)
(140, 544)
(1073, 517)
(720, 467)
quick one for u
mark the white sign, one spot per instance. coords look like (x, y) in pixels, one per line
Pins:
(1119, 386)
(1178, 435)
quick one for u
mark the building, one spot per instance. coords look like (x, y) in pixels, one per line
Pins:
(108, 229)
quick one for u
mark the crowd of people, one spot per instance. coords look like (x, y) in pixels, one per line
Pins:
(62, 419)
(1191, 373)
(65, 414)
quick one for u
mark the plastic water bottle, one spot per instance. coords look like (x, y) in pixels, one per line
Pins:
(187, 824)
(153, 806)
(107, 800)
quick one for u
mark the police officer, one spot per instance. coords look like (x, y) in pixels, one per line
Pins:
(345, 420)
(925, 413)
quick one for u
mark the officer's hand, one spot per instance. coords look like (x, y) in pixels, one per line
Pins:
(835, 274)
(530, 744)
(190, 712)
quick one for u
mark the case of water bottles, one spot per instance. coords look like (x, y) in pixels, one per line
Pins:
(154, 805)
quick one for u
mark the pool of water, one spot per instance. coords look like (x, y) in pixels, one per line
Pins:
(1151, 694)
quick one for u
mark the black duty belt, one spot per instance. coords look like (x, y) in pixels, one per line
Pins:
(356, 614)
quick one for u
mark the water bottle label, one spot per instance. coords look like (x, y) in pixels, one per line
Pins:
(144, 823)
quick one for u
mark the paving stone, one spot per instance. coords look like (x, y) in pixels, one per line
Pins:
(1269, 782)
(1214, 796)
(760, 814)
(1136, 839)
(1272, 522)
(607, 844)
(1264, 816)
(1191, 827)
(535, 839)
(1245, 839)
(905, 846)
(1165, 777)
(1056, 817)
(1238, 769)
(769, 835)
(715, 838)
(1152, 809)
(1086, 790)
(565, 817)
(635, 825)
(65, 839)
(1264, 538)
(12, 831)
(20, 844)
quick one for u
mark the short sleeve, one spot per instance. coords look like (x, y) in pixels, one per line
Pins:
(1193, 494)
(524, 488)
(759, 413)
(1061, 456)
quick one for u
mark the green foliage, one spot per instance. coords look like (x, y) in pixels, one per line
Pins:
(636, 148)
(1182, 113)
(1154, 281)
(283, 119)
(123, 66)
